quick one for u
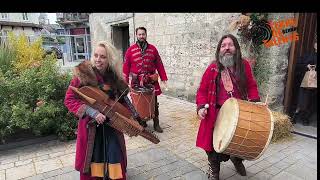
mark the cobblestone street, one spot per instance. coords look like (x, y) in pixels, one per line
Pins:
(175, 157)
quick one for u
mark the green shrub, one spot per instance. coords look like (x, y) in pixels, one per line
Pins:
(7, 56)
(27, 54)
(6, 127)
(32, 99)
(61, 40)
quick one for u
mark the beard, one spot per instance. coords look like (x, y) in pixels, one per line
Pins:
(227, 60)
(141, 42)
(141, 39)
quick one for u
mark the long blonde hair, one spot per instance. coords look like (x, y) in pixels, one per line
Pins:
(113, 58)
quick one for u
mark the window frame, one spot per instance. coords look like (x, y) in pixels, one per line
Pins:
(4, 16)
(25, 17)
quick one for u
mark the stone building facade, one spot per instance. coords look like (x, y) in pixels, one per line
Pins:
(18, 23)
(187, 44)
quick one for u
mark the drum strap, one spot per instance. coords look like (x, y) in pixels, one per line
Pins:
(227, 82)
(243, 97)
(217, 85)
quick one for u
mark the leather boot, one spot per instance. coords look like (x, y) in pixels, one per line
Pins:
(141, 122)
(295, 117)
(305, 122)
(214, 170)
(156, 125)
(305, 118)
(237, 162)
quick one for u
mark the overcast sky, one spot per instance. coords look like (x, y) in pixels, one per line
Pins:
(52, 18)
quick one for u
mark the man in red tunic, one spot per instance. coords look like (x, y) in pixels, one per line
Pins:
(228, 76)
(141, 62)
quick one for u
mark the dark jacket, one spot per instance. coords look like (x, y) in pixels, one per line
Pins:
(301, 66)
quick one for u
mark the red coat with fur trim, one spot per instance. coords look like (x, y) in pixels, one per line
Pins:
(148, 63)
(84, 75)
(206, 94)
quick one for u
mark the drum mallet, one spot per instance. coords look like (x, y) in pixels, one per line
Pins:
(164, 83)
(206, 106)
(266, 99)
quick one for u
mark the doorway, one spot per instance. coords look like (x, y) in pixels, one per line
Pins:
(120, 37)
(79, 46)
(307, 30)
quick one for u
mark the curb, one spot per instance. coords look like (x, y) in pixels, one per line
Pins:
(27, 142)
(304, 134)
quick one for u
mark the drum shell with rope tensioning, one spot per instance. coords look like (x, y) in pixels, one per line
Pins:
(143, 99)
(243, 129)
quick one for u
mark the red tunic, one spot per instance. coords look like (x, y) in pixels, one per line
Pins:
(206, 94)
(148, 63)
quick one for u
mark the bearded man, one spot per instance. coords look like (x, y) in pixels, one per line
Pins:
(229, 75)
(141, 62)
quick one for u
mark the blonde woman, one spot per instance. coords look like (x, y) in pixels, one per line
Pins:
(104, 69)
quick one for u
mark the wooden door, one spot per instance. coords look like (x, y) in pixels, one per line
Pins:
(307, 30)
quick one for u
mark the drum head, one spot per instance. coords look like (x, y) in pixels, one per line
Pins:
(225, 125)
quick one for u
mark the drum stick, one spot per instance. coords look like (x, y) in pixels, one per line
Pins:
(206, 106)
(165, 86)
(266, 99)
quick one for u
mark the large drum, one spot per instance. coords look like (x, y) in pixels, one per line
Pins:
(243, 129)
(143, 99)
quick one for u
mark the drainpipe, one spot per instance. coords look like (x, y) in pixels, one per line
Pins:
(134, 28)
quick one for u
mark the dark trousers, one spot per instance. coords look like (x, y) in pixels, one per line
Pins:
(213, 156)
(156, 110)
(307, 103)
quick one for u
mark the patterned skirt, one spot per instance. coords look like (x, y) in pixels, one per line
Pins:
(107, 155)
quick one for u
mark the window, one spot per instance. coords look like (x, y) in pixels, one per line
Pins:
(4, 15)
(25, 16)
(59, 15)
(68, 16)
(75, 16)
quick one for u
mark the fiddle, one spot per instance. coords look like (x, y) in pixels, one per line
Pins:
(119, 116)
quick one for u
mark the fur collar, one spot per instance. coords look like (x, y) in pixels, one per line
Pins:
(84, 71)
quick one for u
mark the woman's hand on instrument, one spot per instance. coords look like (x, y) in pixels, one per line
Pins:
(202, 113)
(100, 118)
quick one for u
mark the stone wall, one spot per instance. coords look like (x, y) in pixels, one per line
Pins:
(187, 44)
(277, 56)
(100, 24)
